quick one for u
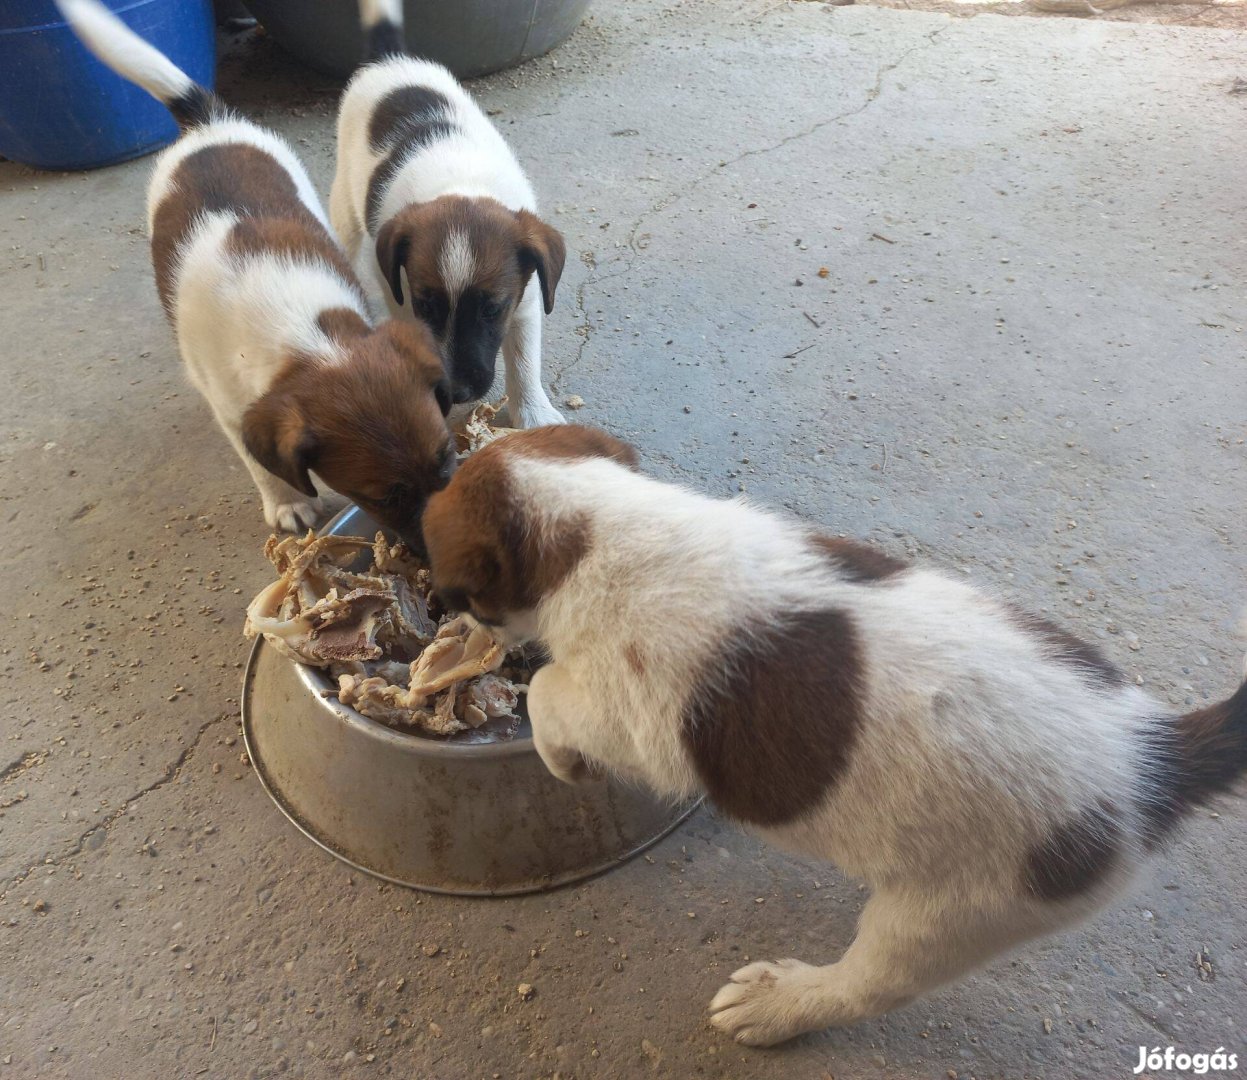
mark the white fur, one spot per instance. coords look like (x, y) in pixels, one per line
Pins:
(123, 50)
(475, 162)
(238, 320)
(974, 743)
(456, 263)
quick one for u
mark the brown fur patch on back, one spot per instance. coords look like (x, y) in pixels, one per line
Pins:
(488, 555)
(301, 239)
(771, 722)
(246, 181)
(568, 442)
(1065, 648)
(342, 324)
(1076, 856)
(406, 120)
(859, 562)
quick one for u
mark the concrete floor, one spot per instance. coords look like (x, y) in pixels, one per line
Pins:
(1025, 362)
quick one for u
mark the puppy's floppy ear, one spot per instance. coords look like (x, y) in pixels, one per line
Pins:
(542, 249)
(276, 434)
(461, 574)
(393, 245)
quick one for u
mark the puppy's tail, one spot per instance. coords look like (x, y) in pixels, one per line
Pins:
(1199, 756)
(382, 22)
(133, 58)
(1212, 748)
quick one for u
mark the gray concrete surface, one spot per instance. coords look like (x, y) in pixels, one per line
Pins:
(1025, 361)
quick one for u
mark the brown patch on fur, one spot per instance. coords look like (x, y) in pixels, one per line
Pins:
(636, 661)
(487, 554)
(771, 722)
(342, 325)
(568, 442)
(1076, 856)
(300, 239)
(251, 183)
(859, 562)
(1065, 648)
(404, 121)
(370, 425)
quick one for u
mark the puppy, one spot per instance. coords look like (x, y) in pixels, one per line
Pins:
(990, 776)
(426, 184)
(271, 322)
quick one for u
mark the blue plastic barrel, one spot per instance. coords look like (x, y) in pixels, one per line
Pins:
(60, 108)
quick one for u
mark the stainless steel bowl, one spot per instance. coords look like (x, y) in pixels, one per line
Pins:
(475, 819)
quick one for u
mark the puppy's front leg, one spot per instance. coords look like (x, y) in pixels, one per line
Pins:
(286, 509)
(557, 706)
(521, 352)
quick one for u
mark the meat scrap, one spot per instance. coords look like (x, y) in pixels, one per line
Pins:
(361, 609)
(477, 428)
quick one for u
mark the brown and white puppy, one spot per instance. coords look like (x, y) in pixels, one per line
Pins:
(425, 184)
(990, 776)
(270, 320)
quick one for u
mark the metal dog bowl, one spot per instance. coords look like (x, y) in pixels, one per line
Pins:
(474, 819)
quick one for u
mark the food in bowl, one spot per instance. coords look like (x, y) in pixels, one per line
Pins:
(363, 611)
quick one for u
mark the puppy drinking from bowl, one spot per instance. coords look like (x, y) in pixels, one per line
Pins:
(425, 184)
(991, 777)
(270, 319)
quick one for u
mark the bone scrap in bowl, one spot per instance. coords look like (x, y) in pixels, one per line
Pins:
(376, 630)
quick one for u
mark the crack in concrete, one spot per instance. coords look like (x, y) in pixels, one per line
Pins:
(872, 95)
(584, 329)
(585, 325)
(1145, 1016)
(170, 773)
(22, 764)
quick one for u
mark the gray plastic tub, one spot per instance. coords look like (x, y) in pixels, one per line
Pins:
(471, 37)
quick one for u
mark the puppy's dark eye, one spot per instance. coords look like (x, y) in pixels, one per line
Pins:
(491, 309)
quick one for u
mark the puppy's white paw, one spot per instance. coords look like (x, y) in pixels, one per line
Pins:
(766, 1003)
(538, 414)
(293, 517)
(568, 765)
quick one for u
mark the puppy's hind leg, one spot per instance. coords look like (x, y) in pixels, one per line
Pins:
(521, 352)
(905, 946)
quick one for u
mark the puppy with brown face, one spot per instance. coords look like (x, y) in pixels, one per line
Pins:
(270, 319)
(427, 187)
(991, 777)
